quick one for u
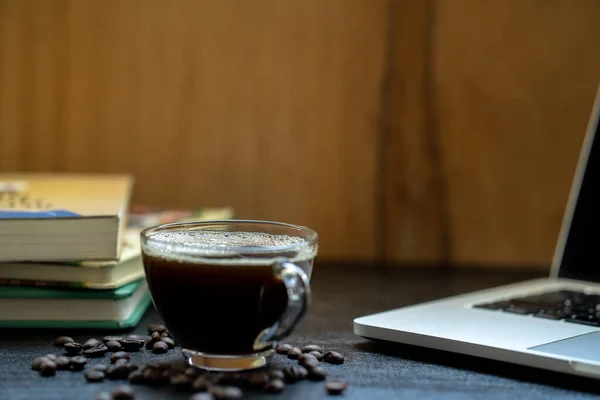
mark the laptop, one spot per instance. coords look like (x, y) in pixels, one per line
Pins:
(550, 323)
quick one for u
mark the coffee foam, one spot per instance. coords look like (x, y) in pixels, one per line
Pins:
(225, 247)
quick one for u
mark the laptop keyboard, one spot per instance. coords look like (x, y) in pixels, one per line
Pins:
(570, 306)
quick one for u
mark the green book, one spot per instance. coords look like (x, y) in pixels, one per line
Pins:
(31, 307)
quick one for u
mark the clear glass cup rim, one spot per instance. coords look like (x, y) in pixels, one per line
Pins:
(309, 236)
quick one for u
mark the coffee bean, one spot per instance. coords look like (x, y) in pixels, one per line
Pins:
(156, 328)
(283, 348)
(62, 362)
(202, 383)
(333, 357)
(317, 374)
(258, 379)
(160, 347)
(277, 374)
(61, 340)
(78, 363)
(107, 339)
(202, 396)
(118, 356)
(317, 354)
(91, 343)
(100, 367)
(170, 342)
(35, 364)
(310, 363)
(72, 348)
(180, 382)
(120, 371)
(192, 372)
(122, 361)
(227, 392)
(294, 353)
(336, 386)
(95, 352)
(166, 334)
(294, 373)
(274, 386)
(47, 368)
(123, 392)
(136, 376)
(306, 356)
(132, 344)
(156, 376)
(113, 346)
(155, 337)
(229, 379)
(311, 347)
(94, 375)
(135, 337)
(103, 396)
(51, 357)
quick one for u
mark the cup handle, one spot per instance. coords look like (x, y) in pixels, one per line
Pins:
(298, 291)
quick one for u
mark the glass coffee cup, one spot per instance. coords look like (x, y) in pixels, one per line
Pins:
(229, 290)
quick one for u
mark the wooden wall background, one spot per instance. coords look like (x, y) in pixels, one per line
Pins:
(439, 130)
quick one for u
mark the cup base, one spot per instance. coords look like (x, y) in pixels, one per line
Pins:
(218, 362)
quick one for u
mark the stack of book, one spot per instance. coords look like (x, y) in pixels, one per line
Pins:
(70, 252)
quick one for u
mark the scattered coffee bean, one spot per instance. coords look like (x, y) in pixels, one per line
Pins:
(294, 373)
(61, 340)
(35, 364)
(306, 356)
(227, 392)
(120, 371)
(311, 347)
(103, 396)
(123, 392)
(136, 376)
(47, 368)
(317, 354)
(277, 374)
(274, 386)
(155, 337)
(100, 367)
(336, 386)
(107, 339)
(229, 379)
(94, 375)
(122, 361)
(166, 334)
(294, 353)
(72, 348)
(78, 363)
(202, 396)
(62, 363)
(135, 337)
(258, 379)
(113, 346)
(283, 348)
(156, 328)
(160, 347)
(91, 343)
(118, 356)
(317, 374)
(180, 382)
(132, 344)
(192, 372)
(51, 357)
(170, 342)
(156, 376)
(202, 383)
(95, 352)
(333, 357)
(310, 363)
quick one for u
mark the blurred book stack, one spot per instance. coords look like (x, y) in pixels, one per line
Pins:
(70, 253)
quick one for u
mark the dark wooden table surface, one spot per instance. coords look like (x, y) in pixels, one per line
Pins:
(374, 370)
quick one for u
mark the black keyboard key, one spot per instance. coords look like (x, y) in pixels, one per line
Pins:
(493, 306)
(521, 310)
(590, 320)
(550, 314)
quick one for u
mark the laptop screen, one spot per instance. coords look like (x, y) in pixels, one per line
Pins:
(581, 253)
